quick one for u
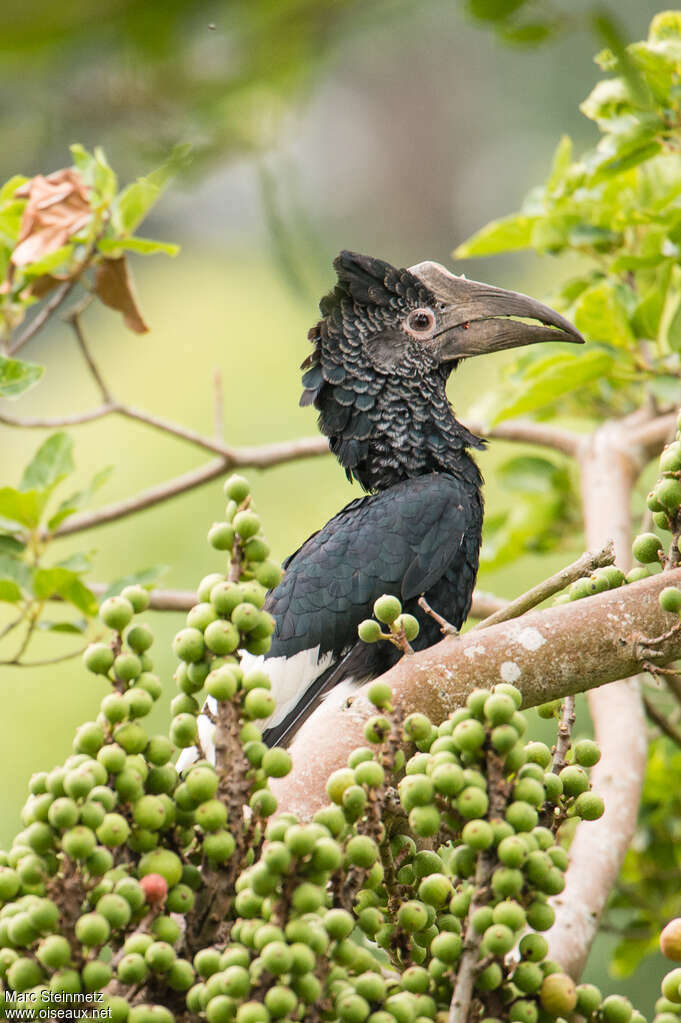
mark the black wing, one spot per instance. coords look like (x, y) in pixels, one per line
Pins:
(420, 536)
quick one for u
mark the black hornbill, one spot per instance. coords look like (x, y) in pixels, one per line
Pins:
(382, 353)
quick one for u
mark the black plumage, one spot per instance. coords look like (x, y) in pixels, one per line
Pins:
(382, 353)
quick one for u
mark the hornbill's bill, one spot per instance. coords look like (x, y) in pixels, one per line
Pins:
(382, 352)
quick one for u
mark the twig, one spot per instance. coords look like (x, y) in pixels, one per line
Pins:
(469, 966)
(48, 660)
(446, 628)
(565, 726)
(218, 405)
(661, 721)
(584, 565)
(59, 297)
(56, 423)
(73, 318)
(651, 436)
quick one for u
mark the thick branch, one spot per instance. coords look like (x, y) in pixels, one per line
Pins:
(609, 464)
(537, 653)
(584, 565)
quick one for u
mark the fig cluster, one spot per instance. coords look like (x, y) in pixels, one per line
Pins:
(182, 897)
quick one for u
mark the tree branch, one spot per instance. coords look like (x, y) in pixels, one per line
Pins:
(537, 653)
(256, 457)
(584, 565)
(58, 422)
(609, 464)
(524, 431)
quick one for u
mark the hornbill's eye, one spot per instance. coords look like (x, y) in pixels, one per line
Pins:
(421, 322)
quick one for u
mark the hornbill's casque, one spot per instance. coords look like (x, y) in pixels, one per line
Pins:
(382, 352)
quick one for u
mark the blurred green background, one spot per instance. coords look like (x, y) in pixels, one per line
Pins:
(392, 128)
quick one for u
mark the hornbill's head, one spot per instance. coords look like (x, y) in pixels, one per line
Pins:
(387, 342)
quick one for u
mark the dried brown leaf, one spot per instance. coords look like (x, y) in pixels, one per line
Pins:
(57, 209)
(114, 286)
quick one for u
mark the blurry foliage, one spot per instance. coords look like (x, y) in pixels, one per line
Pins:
(216, 74)
(618, 210)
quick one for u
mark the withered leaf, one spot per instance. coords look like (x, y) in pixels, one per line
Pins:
(113, 285)
(57, 209)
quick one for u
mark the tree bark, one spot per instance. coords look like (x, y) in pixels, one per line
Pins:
(547, 654)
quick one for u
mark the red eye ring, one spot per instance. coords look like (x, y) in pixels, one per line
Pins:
(420, 322)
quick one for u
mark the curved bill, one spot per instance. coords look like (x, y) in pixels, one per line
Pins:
(476, 318)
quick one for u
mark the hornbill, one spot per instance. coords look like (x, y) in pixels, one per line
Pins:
(382, 353)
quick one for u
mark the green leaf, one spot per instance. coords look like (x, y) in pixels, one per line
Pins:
(79, 562)
(21, 507)
(52, 462)
(82, 497)
(17, 377)
(79, 627)
(16, 569)
(600, 316)
(50, 262)
(82, 160)
(505, 235)
(104, 181)
(554, 377)
(147, 577)
(561, 161)
(48, 582)
(10, 545)
(493, 10)
(9, 591)
(134, 202)
(531, 474)
(145, 246)
(9, 188)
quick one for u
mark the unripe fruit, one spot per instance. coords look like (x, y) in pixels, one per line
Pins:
(369, 631)
(137, 596)
(499, 708)
(589, 999)
(616, 1009)
(188, 645)
(387, 608)
(259, 703)
(115, 909)
(586, 751)
(98, 658)
(646, 548)
(132, 969)
(469, 735)
(540, 915)
(211, 815)
(671, 986)
(113, 831)
(24, 974)
(589, 806)
(472, 802)
(116, 613)
(574, 779)
(558, 994)
(222, 637)
(183, 730)
(478, 834)
(670, 940)
(670, 599)
(222, 683)
(276, 763)
(410, 625)
(163, 862)
(78, 842)
(54, 952)
(92, 929)
(668, 494)
(202, 783)
(219, 846)
(236, 488)
(221, 536)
